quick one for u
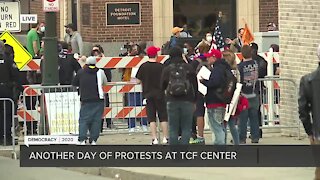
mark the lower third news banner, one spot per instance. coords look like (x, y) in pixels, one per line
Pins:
(169, 156)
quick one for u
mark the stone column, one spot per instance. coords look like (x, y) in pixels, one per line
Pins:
(248, 10)
(162, 21)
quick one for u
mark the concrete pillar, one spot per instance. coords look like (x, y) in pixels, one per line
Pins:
(248, 10)
(162, 21)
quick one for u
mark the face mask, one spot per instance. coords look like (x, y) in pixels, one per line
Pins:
(185, 50)
(209, 38)
(42, 29)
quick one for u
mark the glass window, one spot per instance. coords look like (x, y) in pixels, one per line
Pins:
(200, 16)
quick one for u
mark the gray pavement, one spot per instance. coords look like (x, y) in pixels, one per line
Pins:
(9, 169)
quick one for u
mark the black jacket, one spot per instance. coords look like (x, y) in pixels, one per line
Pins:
(191, 76)
(90, 81)
(9, 76)
(68, 66)
(216, 80)
(262, 63)
(309, 102)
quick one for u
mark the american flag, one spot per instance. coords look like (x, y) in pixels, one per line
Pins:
(218, 36)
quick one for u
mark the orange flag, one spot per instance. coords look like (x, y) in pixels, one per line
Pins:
(247, 37)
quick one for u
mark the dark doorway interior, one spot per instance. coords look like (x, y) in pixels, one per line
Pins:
(74, 13)
(200, 16)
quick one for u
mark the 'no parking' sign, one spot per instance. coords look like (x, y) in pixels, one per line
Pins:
(50, 5)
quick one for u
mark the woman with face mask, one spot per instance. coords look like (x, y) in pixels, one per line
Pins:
(206, 44)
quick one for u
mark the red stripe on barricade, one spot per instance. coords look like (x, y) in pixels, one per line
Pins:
(160, 58)
(126, 88)
(33, 65)
(124, 112)
(107, 88)
(134, 62)
(276, 85)
(28, 116)
(143, 113)
(30, 91)
(106, 111)
(240, 56)
(113, 62)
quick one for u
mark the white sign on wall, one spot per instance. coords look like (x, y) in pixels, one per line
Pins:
(10, 16)
(28, 18)
(50, 5)
(63, 112)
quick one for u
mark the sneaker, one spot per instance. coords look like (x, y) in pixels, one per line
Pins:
(198, 140)
(165, 141)
(82, 143)
(145, 130)
(243, 142)
(255, 141)
(154, 142)
(93, 143)
(131, 130)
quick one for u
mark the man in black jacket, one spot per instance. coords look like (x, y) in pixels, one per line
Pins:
(90, 81)
(9, 76)
(262, 72)
(309, 105)
(180, 104)
(68, 65)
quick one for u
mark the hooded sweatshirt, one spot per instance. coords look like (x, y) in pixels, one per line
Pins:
(216, 80)
(90, 80)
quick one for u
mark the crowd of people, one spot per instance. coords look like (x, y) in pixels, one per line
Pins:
(170, 89)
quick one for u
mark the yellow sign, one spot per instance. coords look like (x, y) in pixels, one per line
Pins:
(21, 56)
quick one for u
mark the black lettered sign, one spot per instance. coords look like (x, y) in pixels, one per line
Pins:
(119, 14)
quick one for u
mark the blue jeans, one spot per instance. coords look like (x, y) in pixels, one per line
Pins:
(90, 119)
(135, 99)
(180, 116)
(250, 114)
(217, 125)
(232, 123)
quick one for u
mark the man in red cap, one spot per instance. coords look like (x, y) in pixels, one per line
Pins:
(149, 75)
(216, 106)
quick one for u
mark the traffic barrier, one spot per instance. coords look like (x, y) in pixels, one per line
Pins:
(131, 62)
(271, 104)
(7, 116)
(58, 105)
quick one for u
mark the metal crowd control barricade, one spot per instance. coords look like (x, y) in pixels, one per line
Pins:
(50, 110)
(270, 92)
(7, 107)
(126, 108)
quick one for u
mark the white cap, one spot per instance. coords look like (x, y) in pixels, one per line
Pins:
(91, 60)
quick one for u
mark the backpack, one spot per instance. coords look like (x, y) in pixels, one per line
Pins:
(226, 91)
(178, 83)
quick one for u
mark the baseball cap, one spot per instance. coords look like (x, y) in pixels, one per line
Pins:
(91, 60)
(70, 25)
(152, 51)
(176, 29)
(214, 53)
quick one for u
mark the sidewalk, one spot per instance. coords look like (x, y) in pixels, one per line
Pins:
(203, 173)
(11, 170)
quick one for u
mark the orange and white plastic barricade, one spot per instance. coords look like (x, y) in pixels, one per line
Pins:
(104, 62)
(7, 105)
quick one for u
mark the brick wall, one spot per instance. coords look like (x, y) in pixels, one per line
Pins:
(97, 31)
(268, 12)
(36, 7)
(299, 37)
